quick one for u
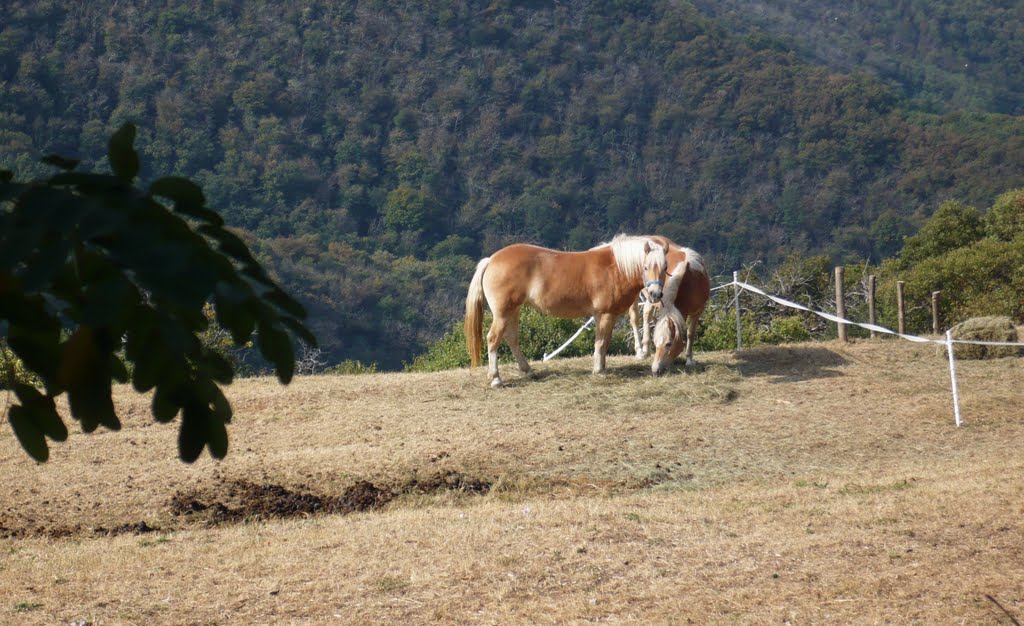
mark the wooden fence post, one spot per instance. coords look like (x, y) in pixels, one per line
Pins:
(840, 304)
(871, 303)
(900, 314)
(935, 312)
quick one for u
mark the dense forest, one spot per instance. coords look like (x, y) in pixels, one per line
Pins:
(946, 56)
(371, 152)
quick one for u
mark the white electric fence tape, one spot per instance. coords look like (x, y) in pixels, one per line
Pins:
(548, 357)
(880, 329)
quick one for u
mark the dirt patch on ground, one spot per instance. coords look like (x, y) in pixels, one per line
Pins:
(243, 500)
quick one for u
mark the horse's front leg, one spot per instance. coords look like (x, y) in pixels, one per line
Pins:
(602, 339)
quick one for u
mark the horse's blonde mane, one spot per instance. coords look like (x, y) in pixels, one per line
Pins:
(669, 311)
(630, 253)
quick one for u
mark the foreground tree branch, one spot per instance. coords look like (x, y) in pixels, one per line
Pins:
(91, 264)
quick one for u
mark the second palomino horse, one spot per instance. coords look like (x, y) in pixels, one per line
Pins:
(692, 296)
(685, 297)
(604, 282)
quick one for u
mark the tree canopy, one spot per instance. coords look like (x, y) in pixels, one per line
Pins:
(100, 281)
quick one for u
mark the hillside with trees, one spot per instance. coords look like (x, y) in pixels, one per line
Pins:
(946, 56)
(370, 153)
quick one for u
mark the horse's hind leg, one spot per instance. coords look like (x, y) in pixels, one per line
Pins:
(691, 334)
(634, 322)
(512, 337)
(494, 337)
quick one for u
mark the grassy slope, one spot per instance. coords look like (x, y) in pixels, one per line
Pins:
(815, 482)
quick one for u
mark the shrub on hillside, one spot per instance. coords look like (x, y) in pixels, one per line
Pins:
(953, 225)
(1005, 220)
(352, 366)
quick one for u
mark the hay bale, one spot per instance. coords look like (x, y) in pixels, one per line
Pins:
(992, 328)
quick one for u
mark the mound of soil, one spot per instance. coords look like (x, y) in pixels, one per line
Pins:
(242, 500)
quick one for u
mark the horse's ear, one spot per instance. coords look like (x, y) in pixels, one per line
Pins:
(647, 246)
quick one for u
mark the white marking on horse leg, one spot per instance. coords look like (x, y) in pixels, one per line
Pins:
(492, 368)
(690, 362)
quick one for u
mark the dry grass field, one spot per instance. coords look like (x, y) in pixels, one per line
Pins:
(811, 483)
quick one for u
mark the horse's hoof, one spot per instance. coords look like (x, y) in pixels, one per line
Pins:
(531, 374)
(495, 383)
(691, 363)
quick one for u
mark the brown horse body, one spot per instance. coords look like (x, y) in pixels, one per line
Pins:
(602, 282)
(691, 298)
(686, 296)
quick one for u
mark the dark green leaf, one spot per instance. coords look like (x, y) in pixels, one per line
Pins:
(89, 182)
(28, 433)
(301, 331)
(229, 243)
(193, 434)
(234, 312)
(277, 348)
(182, 191)
(164, 405)
(219, 368)
(285, 302)
(46, 261)
(42, 410)
(61, 162)
(123, 158)
(93, 406)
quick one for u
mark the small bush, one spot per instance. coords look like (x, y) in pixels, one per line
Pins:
(992, 328)
(13, 370)
(352, 366)
(786, 330)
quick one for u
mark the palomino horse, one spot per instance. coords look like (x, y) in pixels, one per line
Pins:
(602, 282)
(683, 302)
(676, 255)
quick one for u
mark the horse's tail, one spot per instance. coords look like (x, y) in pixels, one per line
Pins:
(474, 325)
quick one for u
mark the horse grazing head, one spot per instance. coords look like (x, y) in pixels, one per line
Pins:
(669, 339)
(654, 270)
(670, 331)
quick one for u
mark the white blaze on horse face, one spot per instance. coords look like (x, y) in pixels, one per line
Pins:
(655, 265)
(666, 333)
